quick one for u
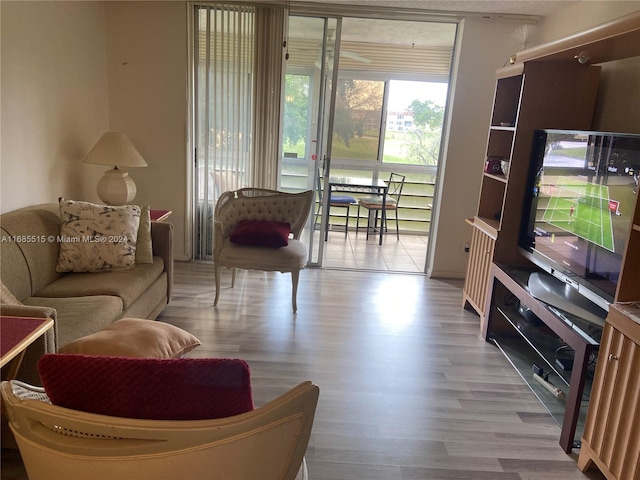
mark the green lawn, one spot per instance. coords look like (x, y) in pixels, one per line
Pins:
(581, 208)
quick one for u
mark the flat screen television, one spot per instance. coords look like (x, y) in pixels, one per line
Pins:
(578, 207)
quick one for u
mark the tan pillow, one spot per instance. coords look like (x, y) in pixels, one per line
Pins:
(135, 337)
(144, 247)
(97, 237)
(7, 297)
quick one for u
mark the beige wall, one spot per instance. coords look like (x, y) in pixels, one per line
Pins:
(485, 46)
(53, 99)
(147, 70)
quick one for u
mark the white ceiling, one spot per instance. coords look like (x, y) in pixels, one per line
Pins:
(539, 8)
(420, 33)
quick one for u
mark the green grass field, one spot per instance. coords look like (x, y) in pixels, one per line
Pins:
(581, 208)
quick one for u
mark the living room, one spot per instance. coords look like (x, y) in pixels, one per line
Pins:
(73, 70)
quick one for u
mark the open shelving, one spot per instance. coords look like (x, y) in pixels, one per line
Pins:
(552, 335)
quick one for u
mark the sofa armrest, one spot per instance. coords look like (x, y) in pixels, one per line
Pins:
(47, 343)
(162, 241)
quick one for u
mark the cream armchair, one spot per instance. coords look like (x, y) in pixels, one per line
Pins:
(58, 443)
(260, 204)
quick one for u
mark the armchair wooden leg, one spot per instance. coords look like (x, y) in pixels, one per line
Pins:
(217, 277)
(295, 275)
(233, 277)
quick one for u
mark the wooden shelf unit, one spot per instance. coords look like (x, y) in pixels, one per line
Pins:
(548, 89)
(527, 97)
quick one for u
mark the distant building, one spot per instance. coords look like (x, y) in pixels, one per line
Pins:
(399, 121)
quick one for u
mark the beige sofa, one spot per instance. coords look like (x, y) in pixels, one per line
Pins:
(80, 303)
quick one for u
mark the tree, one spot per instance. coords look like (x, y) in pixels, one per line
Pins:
(354, 100)
(296, 109)
(427, 114)
(424, 146)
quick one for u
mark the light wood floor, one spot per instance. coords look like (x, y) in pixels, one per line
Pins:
(408, 390)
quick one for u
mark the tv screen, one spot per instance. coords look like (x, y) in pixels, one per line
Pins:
(579, 205)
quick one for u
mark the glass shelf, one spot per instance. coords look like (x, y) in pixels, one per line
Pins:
(590, 332)
(530, 343)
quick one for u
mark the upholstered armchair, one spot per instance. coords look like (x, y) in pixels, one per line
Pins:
(259, 229)
(138, 418)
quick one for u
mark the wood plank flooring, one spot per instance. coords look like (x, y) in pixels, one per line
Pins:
(408, 390)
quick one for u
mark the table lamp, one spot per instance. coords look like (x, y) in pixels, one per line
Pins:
(116, 187)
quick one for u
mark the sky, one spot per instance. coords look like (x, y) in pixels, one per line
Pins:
(403, 92)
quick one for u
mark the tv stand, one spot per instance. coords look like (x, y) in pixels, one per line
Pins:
(556, 293)
(542, 344)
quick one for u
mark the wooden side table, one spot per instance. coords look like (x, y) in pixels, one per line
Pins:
(159, 215)
(16, 334)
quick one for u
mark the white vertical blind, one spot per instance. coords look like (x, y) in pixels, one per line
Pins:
(237, 79)
(223, 83)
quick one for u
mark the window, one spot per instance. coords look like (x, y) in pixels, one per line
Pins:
(415, 111)
(411, 133)
(357, 121)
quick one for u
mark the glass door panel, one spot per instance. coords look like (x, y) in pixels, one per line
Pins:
(306, 110)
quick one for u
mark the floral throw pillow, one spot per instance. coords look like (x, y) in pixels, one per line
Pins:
(97, 237)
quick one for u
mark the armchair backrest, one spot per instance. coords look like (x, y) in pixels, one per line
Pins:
(262, 204)
(59, 443)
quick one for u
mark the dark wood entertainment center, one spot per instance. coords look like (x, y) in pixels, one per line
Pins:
(547, 86)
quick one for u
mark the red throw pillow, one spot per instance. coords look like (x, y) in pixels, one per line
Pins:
(261, 233)
(148, 388)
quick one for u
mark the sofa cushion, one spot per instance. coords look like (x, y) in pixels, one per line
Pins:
(261, 233)
(126, 284)
(80, 316)
(291, 257)
(97, 237)
(144, 248)
(167, 389)
(135, 337)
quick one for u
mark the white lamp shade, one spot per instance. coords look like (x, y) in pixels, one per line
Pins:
(115, 149)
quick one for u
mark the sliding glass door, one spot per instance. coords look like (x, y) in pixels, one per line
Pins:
(308, 116)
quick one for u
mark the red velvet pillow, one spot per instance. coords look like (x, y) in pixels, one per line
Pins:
(261, 233)
(150, 388)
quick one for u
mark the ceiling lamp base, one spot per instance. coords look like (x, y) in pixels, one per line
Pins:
(116, 187)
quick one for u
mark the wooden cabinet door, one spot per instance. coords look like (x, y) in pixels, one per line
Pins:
(480, 258)
(612, 430)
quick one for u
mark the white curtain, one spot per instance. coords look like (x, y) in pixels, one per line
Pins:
(237, 85)
(267, 95)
